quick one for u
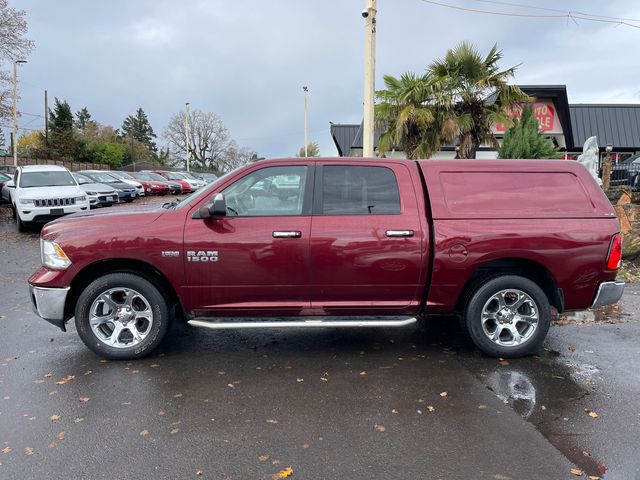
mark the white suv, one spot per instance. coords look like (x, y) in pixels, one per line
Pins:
(40, 193)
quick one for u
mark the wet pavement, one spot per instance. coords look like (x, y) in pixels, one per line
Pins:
(412, 403)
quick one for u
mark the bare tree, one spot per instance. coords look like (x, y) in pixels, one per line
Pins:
(13, 46)
(210, 143)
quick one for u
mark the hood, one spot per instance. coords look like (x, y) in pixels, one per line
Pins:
(97, 187)
(120, 186)
(104, 219)
(50, 192)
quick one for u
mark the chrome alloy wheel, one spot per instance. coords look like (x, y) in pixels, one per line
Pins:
(121, 317)
(510, 317)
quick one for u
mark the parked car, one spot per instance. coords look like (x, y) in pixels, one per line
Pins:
(194, 181)
(4, 178)
(99, 194)
(208, 177)
(126, 193)
(176, 177)
(128, 179)
(174, 187)
(363, 242)
(626, 172)
(152, 187)
(40, 193)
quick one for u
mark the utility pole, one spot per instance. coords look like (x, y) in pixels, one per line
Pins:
(187, 134)
(46, 120)
(15, 111)
(369, 14)
(306, 142)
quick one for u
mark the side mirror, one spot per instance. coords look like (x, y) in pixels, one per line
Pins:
(10, 184)
(216, 209)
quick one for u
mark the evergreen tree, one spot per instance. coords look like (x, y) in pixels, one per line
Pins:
(313, 150)
(524, 140)
(83, 119)
(61, 127)
(138, 127)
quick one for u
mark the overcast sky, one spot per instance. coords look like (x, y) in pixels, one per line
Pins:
(247, 60)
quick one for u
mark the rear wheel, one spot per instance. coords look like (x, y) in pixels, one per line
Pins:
(121, 316)
(508, 316)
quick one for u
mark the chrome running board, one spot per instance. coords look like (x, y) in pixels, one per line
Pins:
(229, 323)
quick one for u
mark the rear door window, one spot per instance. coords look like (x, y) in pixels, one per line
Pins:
(359, 190)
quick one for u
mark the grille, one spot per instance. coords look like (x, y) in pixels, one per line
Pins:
(54, 202)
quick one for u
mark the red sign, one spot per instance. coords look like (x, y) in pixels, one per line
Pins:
(542, 111)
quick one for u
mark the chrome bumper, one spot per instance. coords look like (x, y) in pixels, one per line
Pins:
(48, 303)
(608, 293)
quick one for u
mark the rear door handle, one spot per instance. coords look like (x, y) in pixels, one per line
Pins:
(288, 234)
(399, 233)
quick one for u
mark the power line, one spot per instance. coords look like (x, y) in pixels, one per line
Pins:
(565, 14)
(546, 9)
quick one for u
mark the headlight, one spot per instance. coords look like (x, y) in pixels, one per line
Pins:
(81, 198)
(53, 256)
(91, 193)
(26, 201)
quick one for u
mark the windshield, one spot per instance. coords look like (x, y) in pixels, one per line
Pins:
(150, 176)
(122, 175)
(104, 177)
(56, 178)
(189, 175)
(174, 176)
(82, 179)
(4, 177)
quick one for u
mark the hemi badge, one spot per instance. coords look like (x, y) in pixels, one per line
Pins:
(170, 253)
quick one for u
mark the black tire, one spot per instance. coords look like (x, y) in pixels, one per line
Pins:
(157, 302)
(472, 316)
(22, 226)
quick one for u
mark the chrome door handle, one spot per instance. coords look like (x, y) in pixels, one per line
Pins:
(399, 233)
(292, 234)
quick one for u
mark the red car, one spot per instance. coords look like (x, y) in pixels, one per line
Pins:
(186, 187)
(353, 243)
(150, 185)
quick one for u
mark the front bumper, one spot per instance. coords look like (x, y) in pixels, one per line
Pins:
(48, 303)
(608, 293)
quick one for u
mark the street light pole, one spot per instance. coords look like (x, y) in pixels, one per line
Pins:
(187, 133)
(306, 142)
(15, 111)
(369, 14)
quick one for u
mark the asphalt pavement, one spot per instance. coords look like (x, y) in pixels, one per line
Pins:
(360, 404)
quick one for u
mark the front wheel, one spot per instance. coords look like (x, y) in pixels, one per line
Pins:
(508, 316)
(121, 316)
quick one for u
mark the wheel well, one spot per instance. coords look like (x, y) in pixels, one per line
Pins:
(136, 267)
(514, 266)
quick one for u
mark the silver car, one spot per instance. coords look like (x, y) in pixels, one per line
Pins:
(99, 194)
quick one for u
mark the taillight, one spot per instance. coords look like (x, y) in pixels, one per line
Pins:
(615, 253)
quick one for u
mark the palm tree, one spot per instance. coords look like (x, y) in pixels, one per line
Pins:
(469, 79)
(405, 115)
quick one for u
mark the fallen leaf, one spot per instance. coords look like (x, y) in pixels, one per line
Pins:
(154, 365)
(393, 410)
(38, 381)
(577, 472)
(263, 458)
(28, 451)
(419, 412)
(60, 436)
(593, 477)
(88, 372)
(6, 450)
(299, 380)
(135, 371)
(66, 379)
(231, 385)
(503, 363)
(52, 445)
(84, 399)
(78, 420)
(591, 413)
(324, 379)
(379, 428)
(272, 421)
(55, 417)
(8, 397)
(287, 472)
(363, 373)
(305, 445)
(177, 395)
(144, 433)
(431, 408)
(482, 407)
(199, 473)
(48, 375)
(443, 394)
(161, 412)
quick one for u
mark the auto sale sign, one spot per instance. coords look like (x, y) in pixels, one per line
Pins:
(543, 111)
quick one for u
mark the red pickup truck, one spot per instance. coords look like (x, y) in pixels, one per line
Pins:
(307, 243)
